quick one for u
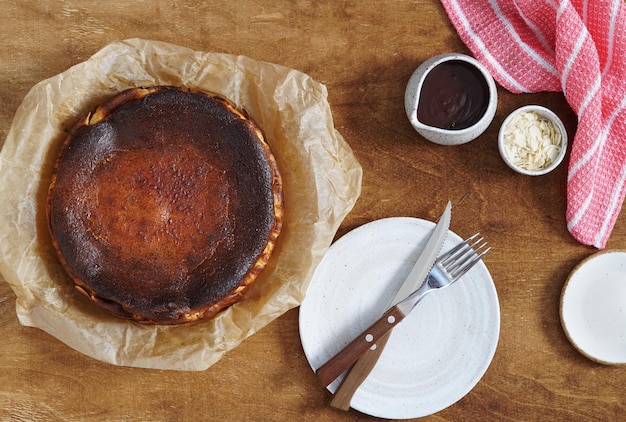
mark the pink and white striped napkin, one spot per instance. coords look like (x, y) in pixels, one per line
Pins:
(574, 46)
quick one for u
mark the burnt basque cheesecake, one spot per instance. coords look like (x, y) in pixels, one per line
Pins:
(165, 205)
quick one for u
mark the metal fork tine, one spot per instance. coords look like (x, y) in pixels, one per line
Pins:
(458, 272)
(474, 262)
(461, 262)
(452, 254)
(449, 256)
(462, 257)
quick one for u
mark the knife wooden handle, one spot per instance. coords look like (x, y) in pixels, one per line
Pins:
(358, 373)
(328, 372)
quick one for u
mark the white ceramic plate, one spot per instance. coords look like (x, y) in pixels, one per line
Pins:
(593, 307)
(436, 355)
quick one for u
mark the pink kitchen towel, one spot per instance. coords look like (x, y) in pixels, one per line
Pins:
(579, 48)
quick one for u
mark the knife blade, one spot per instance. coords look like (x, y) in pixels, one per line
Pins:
(332, 369)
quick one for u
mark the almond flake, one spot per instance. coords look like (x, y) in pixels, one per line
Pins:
(531, 141)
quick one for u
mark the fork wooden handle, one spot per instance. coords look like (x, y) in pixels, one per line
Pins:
(357, 374)
(328, 372)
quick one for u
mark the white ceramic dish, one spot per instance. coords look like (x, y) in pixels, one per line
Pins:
(593, 307)
(436, 355)
(448, 136)
(547, 114)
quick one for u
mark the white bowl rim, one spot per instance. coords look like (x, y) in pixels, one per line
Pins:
(544, 112)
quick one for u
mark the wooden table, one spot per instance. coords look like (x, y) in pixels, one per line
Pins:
(364, 52)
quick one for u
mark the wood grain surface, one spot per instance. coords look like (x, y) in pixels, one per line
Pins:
(364, 52)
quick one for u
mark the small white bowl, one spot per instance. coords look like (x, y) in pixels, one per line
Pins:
(437, 134)
(544, 113)
(593, 307)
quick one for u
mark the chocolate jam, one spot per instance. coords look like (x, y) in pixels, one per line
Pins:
(454, 95)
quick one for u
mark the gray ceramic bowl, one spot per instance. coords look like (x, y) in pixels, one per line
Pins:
(449, 136)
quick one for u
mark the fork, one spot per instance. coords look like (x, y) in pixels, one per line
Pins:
(448, 269)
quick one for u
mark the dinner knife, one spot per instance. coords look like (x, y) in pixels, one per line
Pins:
(328, 373)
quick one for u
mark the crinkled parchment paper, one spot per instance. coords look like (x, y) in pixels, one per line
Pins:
(322, 180)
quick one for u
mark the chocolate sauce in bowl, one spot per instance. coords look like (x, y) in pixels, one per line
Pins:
(454, 95)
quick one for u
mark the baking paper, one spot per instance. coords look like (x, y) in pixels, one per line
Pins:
(321, 183)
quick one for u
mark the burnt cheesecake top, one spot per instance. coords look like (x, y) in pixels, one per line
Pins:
(165, 204)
